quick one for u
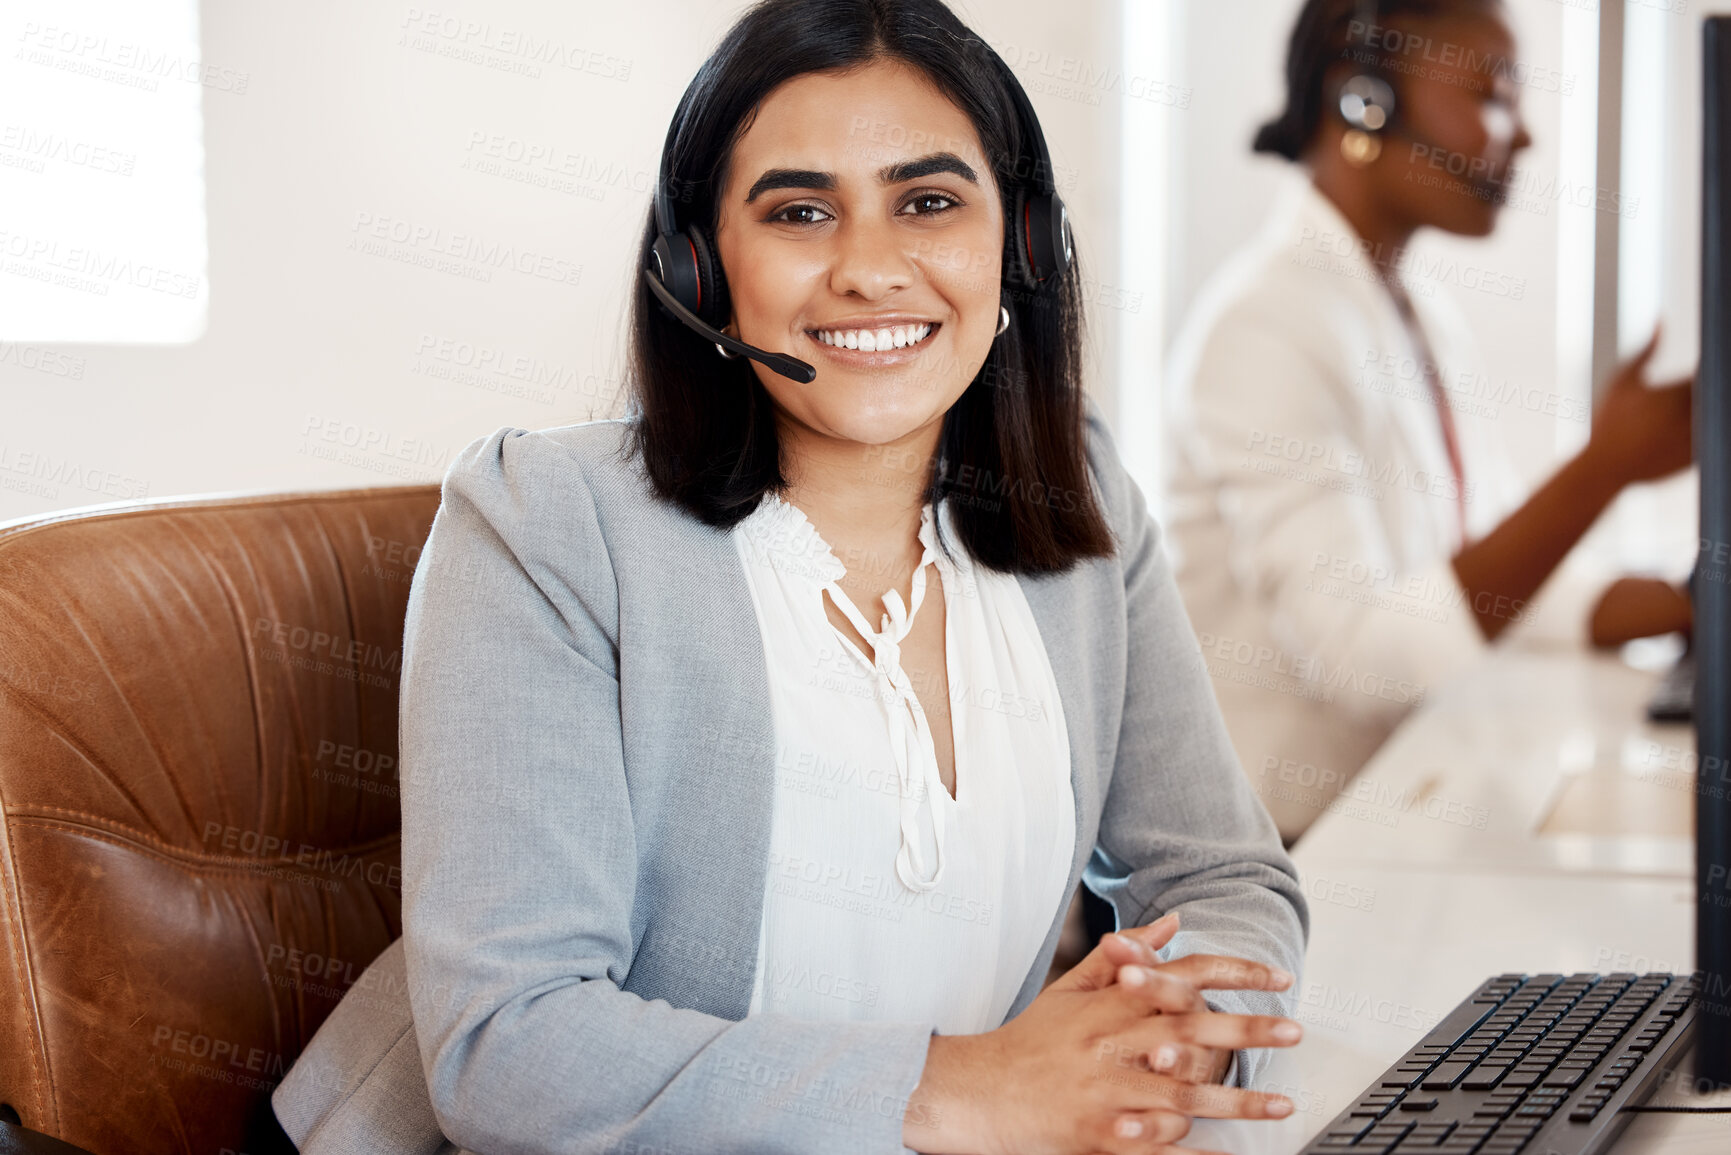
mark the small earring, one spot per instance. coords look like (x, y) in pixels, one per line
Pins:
(1360, 148)
(726, 354)
(1003, 320)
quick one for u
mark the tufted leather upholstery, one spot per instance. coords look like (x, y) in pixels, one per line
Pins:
(199, 845)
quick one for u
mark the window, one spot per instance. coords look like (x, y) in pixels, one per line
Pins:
(102, 171)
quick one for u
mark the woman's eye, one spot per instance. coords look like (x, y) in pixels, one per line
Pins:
(800, 215)
(928, 204)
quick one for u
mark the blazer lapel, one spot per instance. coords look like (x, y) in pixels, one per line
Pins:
(705, 679)
(1063, 616)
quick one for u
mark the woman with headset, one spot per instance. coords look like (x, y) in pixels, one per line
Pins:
(1348, 528)
(753, 744)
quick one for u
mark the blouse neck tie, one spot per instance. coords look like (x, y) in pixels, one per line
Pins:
(911, 739)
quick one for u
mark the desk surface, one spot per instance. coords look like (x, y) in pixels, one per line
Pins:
(1448, 869)
(1506, 766)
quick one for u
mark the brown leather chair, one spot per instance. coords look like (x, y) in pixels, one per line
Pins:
(198, 809)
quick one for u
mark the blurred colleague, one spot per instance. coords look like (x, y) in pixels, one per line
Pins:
(1349, 529)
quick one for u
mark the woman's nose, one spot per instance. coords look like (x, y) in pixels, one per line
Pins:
(1523, 138)
(870, 261)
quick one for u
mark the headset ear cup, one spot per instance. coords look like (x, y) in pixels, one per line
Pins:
(717, 309)
(675, 266)
(1021, 270)
(1042, 236)
(1052, 243)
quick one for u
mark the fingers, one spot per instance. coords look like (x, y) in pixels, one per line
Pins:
(1155, 935)
(1186, 1062)
(1206, 1029)
(1140, 944)
(1198, 1100)
(1223, 972)
(1635, 364)
(1099, 969)
(1151, 989)
(1136, 1131)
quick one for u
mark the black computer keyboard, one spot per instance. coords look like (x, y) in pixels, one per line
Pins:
(1540, 1063)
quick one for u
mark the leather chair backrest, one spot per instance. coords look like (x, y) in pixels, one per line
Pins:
(198, 809)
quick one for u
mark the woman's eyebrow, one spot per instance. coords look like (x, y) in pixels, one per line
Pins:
(928, 166)
(890, 174)
(790, 178)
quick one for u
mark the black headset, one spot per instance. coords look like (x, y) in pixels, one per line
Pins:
(684, 270)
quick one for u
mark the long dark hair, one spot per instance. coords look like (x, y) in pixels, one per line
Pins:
(1011, 457)
(1322, 37)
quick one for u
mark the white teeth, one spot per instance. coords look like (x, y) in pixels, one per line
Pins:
(875, 340)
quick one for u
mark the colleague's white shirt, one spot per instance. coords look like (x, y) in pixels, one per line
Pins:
(1313, 517)
(886, 898)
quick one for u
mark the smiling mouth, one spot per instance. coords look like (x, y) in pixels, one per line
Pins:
(888, 339)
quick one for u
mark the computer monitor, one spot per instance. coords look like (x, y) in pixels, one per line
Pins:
(1712, 587)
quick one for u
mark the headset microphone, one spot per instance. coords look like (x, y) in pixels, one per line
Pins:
(787, 366)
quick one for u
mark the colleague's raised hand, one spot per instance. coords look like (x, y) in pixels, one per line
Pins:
(1642, 432)
(1074, 1073)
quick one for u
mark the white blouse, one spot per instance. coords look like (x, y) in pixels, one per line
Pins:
(886, 898)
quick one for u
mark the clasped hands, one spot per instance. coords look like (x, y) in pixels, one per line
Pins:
(1117, 1056)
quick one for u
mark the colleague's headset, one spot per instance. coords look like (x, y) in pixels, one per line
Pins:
(1367, 101)
(1368, 105)
(684, 269)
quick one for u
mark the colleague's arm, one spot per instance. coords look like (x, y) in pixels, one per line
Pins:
(1181, 830)
(1639, 434)
(520, 854)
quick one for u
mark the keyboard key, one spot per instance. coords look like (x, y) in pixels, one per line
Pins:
(1380, 1141)
(1342, 1137)
(1483, 1078)
(1418, 1105)
(1446, 1076)
(1426, 1136)
(1457, 1025)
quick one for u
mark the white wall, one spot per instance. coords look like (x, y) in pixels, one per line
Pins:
(353, 113)
(347, 119)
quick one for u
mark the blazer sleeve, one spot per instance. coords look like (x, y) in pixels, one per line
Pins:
(1180, 828)
(519, 857)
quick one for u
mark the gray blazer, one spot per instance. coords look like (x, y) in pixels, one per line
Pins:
(587, 772)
